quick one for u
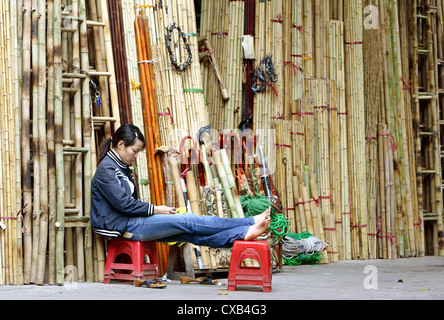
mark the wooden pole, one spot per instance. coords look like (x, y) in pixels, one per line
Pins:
(58, 135)
(87, 133)
(42, 146)
(25, 139)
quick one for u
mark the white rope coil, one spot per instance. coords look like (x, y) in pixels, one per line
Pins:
(292, 247)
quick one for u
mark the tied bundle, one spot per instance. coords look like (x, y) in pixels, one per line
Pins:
(302, 248)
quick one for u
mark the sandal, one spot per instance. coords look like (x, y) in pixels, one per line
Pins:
(201, 280)
(155, 283)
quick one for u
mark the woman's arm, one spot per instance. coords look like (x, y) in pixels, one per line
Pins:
(164, 210)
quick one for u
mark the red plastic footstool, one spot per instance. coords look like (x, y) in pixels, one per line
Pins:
(250, 276)
(132, 266)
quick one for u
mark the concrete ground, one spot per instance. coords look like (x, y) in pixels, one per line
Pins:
(401, 279)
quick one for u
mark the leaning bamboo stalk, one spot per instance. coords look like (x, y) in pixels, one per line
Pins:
(217, 160)
(354, 80)
(25, 138)
(100, 64)
(195, 199)
(437, 185)
(372, 82)
(406, 42)
(58, 135)
(42, 146)
(415, 122)
(6, 224)
(110, 63)
(135, 97)
(406, 118)
(154, 116)
(17, 28)
(69, 51)
(77, 240)
(383, 194)
(50, 137)
(87, 133)
(35, 144)
(390, 218)
(146, 98)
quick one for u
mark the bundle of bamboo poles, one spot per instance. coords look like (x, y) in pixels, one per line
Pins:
(373, 85)
(351, 121)
(214, 27)
(353, 25)
(222, 26)
(321, 47)
(141, 170)
(116, 26)
(10, 196)
(151, 125)
(336, 57)
(57, 142)
(180, 98)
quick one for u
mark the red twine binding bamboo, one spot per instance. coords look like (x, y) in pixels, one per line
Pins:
(220, 33)
(295, 68)
(299, 28)
(162, 114)
(393, 142)
(278, 20)
(282, 145)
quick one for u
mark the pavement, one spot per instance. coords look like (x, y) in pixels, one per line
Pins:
(401, 279)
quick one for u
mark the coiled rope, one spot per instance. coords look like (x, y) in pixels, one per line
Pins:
(297, 249)
(254, 205)
(302, 248)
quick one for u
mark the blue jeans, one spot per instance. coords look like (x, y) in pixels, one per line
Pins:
(208, 231)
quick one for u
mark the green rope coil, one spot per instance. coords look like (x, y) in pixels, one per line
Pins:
(312, 258)
(254, 205)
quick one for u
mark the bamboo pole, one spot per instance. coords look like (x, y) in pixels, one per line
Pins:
(372, 57)
(58, 135)
(25, 139)
(51, 142)
(355, 101)
(42, 146)
(17, 29)
(35, 135)
(87, 133)
(110, 63)
(382, 240)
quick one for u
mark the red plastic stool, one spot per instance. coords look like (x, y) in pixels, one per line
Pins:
(134, 251)
(250, 276)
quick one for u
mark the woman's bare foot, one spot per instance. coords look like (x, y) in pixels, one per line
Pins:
(261, 225)
(264, 215)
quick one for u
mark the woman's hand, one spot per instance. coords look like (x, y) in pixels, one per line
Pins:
(164, 210)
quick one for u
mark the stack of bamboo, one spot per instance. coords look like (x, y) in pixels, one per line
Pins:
(222, 24)
(345, 43)
(10, 194)
(181, 102)
(52, 172)
(340, 120)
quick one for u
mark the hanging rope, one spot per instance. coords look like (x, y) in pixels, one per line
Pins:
(169, 43)
(253, 206)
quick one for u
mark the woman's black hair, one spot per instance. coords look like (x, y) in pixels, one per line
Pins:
(128, 133)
